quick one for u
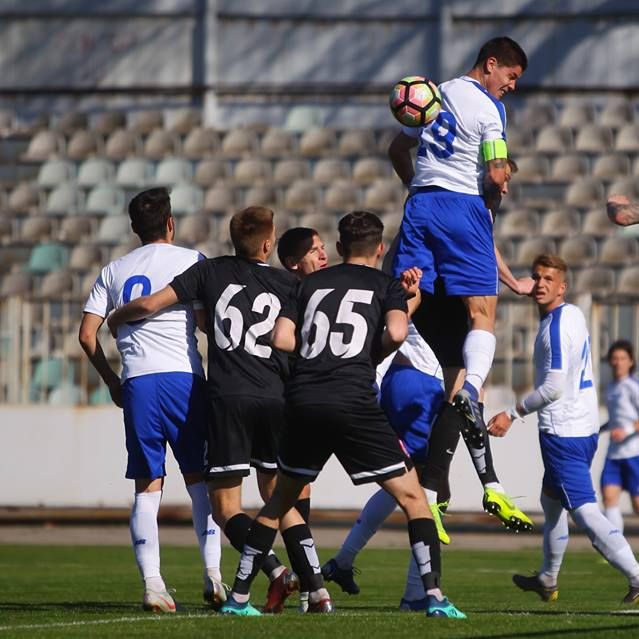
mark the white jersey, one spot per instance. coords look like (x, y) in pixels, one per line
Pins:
(449, 153)
(163, 343)
(622, 398)
(417, 351)
(563, 344)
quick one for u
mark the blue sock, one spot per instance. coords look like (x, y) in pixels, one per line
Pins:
(472, 391)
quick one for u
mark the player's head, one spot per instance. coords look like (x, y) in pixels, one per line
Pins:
(511, 169)
(621, 358)
(302, 251)
(549, 273)
(150, 213)
(500, 62)
(253, 232)
(360, 235)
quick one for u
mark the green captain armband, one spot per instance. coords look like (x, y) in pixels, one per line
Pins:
(494, 150)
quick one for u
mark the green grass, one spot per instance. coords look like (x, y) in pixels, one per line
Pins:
(95, 591)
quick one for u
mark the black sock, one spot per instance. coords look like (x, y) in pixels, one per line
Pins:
(303, 507)
(304, 560)
(442, 444)
(259, 541)
(425, 546)
(237, 529)
(481, 455)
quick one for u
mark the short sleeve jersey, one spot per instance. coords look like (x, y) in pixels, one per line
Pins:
(242, 299)
(563, 344)
(449, 152)
(165, 342)
(339, 313)
(622, 399)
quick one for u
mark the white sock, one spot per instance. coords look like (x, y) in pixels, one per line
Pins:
(373, 515)
(206, 530)
(607, 539)
(414, 586)
(496, 486)
(555, 539)
(479, 350)
(145, 537)
(613, 515)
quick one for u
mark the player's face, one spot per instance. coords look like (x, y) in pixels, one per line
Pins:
(509, 174)
(549, 288)
(620, 363)
(501, 79)
(315, 259)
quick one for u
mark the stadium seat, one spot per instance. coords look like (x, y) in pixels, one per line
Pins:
(341, 195)
(554, 140)
(23, 199)
(611, 166)
(56, 285)
(144, 122)
(619, 251)
(596, 223)
(173, 170)
(317, 142)
(578, 251)
(65, 199)
(368, 169)
(519, 141)
(193, 229)
(124, 248)
(277, 143)
(82, 145)
(47, 257)
(392, 222)
(384, 138)
(71, 122)
(210, 171)
(517, 223)
(593, 138)
(35, 229)
(383, 194)
(627, 139)
(53, 172)
(85, 257)
(323, 222)
(595, 280)
(287, 171)
(628, 282)
(87, 281)
(238, 143)
(626, 185)
(186, 199)
(303, 117)
(94, 171)
(356, 143)
(575, 115)
(185, 120)
(616, 113)
(327, 170)
(584, 193)
(17, 283)
(260, 195)
(560, 223)
(251, 170)
(112, 229)
(122, 144)
(532, 168)
(109, 121)
(567, 168)
(535, 115)
(135, 173)
(201, 143)
(219, 199)
(506, 248)
(300, 195)
(105, 199)
(43, 146)
(529, 249)
(160, 144)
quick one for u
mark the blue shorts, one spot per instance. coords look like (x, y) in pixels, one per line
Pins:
(567, 468)
(161, 408)
(411, 400)
(622, 472)
(448, 235)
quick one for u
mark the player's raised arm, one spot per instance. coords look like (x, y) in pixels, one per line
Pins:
(622, 211)
(400, 157)
(141, 308)
(410, 280)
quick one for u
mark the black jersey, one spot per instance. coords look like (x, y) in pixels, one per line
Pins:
(339, 313)
(242, 299)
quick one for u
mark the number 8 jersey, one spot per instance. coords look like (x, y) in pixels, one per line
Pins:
(563, 344)
(340, 314)
(242, 299)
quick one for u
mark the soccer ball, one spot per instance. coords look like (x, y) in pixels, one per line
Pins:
(415, 101)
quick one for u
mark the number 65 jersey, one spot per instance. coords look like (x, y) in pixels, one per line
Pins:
(242, 299)
(339, 313)
(563, 344)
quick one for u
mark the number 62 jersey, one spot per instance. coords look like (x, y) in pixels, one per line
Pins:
(242, 299)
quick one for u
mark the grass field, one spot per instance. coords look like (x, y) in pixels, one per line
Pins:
(89, 591)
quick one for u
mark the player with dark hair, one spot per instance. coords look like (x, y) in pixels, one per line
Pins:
(301, 251)
(447, 228)
(242, 297)
(565, 400)
(621, 470)
(336, 325)
(159, 359)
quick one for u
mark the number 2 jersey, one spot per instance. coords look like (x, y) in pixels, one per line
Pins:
(340, 314)
(242, 299)
(166, 342)
(563, 344)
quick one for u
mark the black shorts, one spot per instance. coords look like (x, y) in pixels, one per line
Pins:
(359, 436)
(243, 432)
(443, 323)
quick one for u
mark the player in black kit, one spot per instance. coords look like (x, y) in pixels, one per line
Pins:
(242, 297)
(343, 320)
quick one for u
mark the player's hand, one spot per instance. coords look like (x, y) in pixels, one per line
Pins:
(617, 434)
(525, 285)
(410, 280)
(115, 390)
(499, 425)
